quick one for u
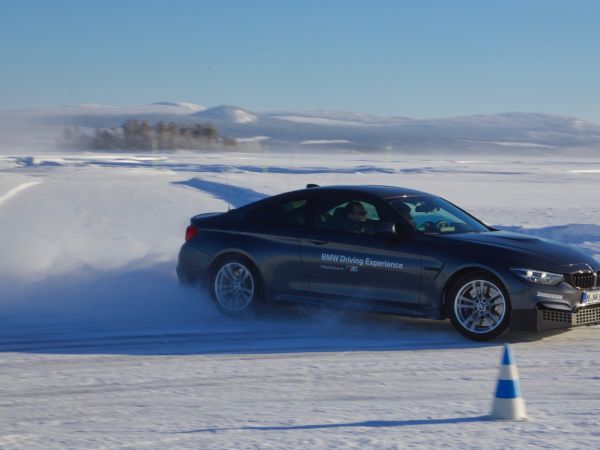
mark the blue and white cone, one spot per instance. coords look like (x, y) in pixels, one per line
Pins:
(508, 404)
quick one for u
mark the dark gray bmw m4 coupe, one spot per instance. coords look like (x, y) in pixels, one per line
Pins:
(388, 250)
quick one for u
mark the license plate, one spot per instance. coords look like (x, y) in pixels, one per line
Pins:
(589, 297)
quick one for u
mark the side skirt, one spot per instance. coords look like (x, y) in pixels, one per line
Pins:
(359, 305)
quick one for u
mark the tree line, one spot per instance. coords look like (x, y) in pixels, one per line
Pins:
(140, 135)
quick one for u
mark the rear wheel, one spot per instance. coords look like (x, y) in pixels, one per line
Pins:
(234, 286)
(479, 306)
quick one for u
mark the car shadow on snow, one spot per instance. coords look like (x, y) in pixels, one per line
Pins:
(233, 195)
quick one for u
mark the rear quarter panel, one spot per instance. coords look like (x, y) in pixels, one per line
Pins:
(274, 251)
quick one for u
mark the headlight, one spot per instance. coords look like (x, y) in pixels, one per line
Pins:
(537, 276)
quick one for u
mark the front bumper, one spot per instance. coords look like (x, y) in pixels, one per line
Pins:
(543, 318)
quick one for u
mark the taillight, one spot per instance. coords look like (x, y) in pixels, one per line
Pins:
(190, 232)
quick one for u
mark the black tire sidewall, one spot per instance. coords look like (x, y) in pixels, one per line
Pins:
(451, 299)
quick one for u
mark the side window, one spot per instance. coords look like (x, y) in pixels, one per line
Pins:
(347, 214)
(289, 213)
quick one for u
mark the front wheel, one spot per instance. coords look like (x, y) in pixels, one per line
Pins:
(479, 306)
(234, 287)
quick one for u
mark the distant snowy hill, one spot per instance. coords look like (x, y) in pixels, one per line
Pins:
(499, 133)
(227, 114)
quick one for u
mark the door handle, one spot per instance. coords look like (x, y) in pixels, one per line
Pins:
(317, 241)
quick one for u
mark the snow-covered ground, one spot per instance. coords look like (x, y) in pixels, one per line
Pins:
(100, 348)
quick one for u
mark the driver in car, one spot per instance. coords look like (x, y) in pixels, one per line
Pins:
(356, 216)
(404, 211)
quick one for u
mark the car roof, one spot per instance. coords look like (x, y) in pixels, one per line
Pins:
(383, 192)
(372, 189)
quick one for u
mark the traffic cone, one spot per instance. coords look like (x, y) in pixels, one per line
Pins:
(508, 404)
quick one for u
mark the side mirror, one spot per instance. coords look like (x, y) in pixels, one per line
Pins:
(385, 229)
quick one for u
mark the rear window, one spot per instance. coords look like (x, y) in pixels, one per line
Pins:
(287, 213)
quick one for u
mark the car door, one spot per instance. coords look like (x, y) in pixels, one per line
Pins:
(341, 263)
(273, 234)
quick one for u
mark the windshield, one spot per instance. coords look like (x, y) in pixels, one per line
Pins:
(433, 215)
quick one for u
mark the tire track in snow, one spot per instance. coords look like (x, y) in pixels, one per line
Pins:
(16, 190)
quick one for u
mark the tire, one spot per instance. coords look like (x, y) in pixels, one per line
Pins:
(235, 286)
(479, 306)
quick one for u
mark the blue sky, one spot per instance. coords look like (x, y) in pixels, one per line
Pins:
(407, 58)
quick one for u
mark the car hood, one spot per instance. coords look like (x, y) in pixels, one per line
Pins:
(548, 254)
